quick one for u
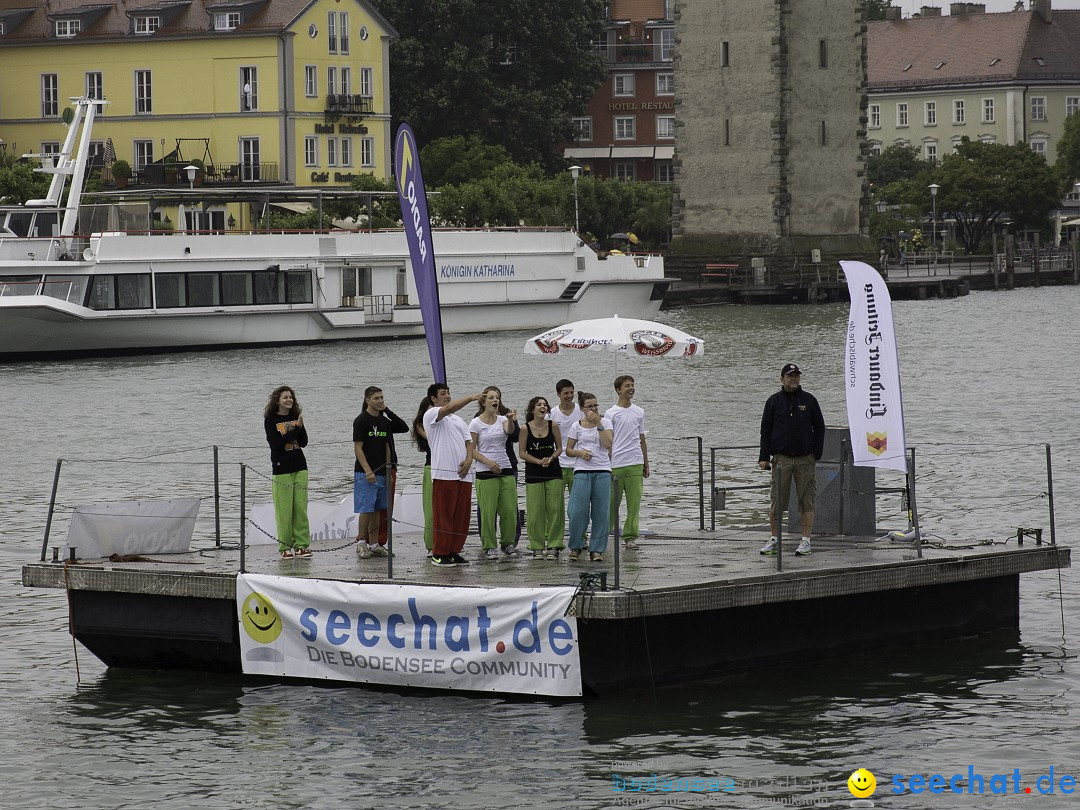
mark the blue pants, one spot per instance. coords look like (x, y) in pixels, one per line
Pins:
(590, 497)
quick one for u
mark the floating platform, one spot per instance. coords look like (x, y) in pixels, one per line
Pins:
(690, 605)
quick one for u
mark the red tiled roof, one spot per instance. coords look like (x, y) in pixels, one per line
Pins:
(973, 48)
(637, 10)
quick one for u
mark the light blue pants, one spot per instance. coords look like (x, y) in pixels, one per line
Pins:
(590, 497)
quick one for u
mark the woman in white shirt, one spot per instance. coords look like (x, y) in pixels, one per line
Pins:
(496, 486)
(589, 444)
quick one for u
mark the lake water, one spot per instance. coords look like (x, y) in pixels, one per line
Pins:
(987, 383)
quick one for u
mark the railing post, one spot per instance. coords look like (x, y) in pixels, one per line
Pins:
(52, 508)
(701, 484)
(776, 479)
(391, 486)
(913, 504)
(712, 488)
(217, 500)
(1050, 496)
(243, 519)
(618, 556)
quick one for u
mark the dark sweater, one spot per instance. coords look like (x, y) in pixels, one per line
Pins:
(792, 425)
(285, 443)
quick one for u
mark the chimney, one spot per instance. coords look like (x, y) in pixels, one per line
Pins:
(976, 8)
(1042, 8)
(957, 9)
(931, 11)
(892, 13)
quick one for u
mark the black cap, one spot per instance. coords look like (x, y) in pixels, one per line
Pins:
(790, 368)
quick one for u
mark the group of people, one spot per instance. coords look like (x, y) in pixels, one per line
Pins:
(599, 460)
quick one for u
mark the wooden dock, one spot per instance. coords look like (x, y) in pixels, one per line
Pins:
(689, 605)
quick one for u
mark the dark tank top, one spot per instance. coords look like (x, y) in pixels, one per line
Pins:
(541, 448)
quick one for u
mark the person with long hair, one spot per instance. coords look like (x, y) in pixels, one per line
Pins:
(589, 442)
(420, 439)
(540, 447)
(287, 436)
(496, 486)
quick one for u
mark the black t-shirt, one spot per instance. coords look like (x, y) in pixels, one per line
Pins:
(541, 447)
(373, 432)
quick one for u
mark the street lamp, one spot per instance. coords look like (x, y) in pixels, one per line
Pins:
(575, 172)
(191, 170)
(881, 206)
(933, 198)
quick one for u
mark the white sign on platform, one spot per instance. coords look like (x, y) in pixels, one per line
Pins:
(515, 640)
(872, 372)
(334, 521)
(132, 527)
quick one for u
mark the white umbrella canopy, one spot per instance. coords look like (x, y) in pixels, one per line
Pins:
(629, 336)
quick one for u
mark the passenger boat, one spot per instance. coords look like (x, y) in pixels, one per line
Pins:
(95, 279)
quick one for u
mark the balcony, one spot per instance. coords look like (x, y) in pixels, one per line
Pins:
(167, 175)
(344, 104)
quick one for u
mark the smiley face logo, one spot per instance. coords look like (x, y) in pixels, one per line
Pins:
(260, 618)
(862, 783)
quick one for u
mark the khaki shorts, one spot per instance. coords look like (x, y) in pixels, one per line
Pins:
(805, 473)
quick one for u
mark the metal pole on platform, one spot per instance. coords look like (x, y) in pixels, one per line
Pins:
(701, 484)
(243, 519)
(779, 516)
(618, 556)
(217, 500)
(912, 504)
(52, 508)
(843, 487)
(390, 524)
(712, 488)
(1050, 496)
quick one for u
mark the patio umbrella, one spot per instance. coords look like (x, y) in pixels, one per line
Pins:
(619, 236)
(629, 336)
(109, 155)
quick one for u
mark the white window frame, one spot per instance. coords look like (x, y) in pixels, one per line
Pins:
(930, 151)
(1039, 144)
(144, 92)
(625, 170)
(875, 116)
(665, 172)
(311, 81)
(665, 127)
(367, 82)
(930, 113)
(95, 87)
(346, 151)
(667, 44)
(331, 32)
(146, 25)
(1038, 108)
(249, 74)
(50, 95)
(901, 114)
(584, 126)
(142, 151)
(331, 80)
(345, 81)
(625, 127)
(331, 152)
(67, 29)
(665, 84)
(1072, 105)
(226, 20)
(622, 85)
(959, 112)
(367, 153)
(988, 111)
(311, 150)
(343, 33)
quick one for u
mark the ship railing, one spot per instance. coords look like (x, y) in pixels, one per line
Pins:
(15, 289)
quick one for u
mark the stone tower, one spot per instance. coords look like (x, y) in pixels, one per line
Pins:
(770, 154)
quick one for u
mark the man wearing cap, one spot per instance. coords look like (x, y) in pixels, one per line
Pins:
(792, 438)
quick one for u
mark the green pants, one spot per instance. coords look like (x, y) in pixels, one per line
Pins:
(568, 478)
(497, 496)
(630, 480)
(545, 514)
(427, 507)
(290, 510)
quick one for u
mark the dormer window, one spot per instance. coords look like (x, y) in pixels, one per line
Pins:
(994, 61)
(147, 25)
(1040, 61)
(226, 21)
(66, 29)
(907, 67)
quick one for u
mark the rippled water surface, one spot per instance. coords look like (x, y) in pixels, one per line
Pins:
(987, 383)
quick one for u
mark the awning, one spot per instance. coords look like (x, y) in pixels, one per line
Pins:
(632, 151)
(1070, 223)
(295, 207)
(587, 152)
(665, 152)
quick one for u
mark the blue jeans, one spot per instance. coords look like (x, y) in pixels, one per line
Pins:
(591, 495)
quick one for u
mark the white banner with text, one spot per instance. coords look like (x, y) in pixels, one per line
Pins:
(516, 640)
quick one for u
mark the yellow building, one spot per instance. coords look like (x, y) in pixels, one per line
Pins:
(262, 92)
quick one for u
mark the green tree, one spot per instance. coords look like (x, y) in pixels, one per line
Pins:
(512, 73)
(19, 182)
(983, 182)
(875, 9)
(895, 164)
(1067, 165)
(456, 160)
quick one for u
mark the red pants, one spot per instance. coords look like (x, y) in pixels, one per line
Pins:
(381, 514)
(451, 509)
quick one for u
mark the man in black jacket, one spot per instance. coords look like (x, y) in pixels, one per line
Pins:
(792, 438)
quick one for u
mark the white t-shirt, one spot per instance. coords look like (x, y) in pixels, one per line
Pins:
(589, 439)
(491, 441)
(629, 427)
(446, 437)
(564, 422)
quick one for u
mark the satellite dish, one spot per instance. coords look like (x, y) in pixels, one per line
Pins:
(68, 115)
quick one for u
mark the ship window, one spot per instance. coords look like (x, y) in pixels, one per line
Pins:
(235, 289)
(18, 285)
(202, 289)
(66, 288)
(103, 293)
(298, 287)
(269, 288)
(19, 223)
(133, 291)
(170, 290)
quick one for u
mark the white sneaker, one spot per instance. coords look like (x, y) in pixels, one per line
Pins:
(803, 549)
(363, 551)
(770, 547)
(378, 551)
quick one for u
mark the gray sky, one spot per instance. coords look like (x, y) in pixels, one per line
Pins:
(991, 5)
